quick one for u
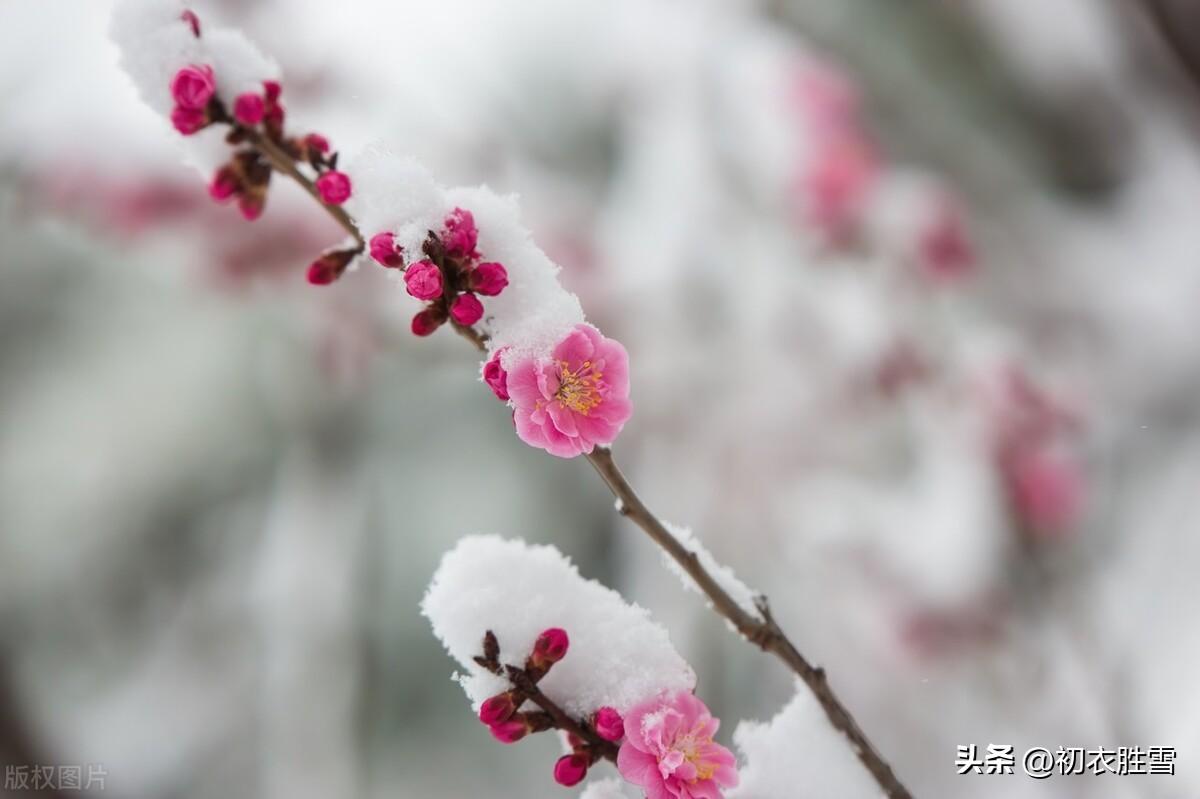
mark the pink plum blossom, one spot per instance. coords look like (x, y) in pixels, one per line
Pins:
(574, 400)
(249, 108)
(423, 280)
(495, 376)
(1047, 488)
(334, 187)
(193, 86)
(669, 750)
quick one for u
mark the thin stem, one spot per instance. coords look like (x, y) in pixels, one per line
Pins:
(526, 685)
(762, 630)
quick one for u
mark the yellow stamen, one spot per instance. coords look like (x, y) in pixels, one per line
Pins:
(579, 390)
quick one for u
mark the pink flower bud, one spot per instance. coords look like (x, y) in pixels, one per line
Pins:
(317, 142)
(497, 710)
(551, 646)
(426, 322)
(495, 377)
(225, 184)
(272, 90)
(386, 253)
(192, 20)
(334, 187)
(489, 279)
(570, 770)
(249, 109)
(509, 732)
(461, 235)
(188, 120)
(609, 724)
(193, 87)
(251, 205)
(466, 309)
(423, 280)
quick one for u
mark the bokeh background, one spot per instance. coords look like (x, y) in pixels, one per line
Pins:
(911, 293)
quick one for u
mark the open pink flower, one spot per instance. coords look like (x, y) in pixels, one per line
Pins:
(669, 750)
(574, 400)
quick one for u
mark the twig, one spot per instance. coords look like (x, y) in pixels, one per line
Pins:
(525, 684)
(760, 629)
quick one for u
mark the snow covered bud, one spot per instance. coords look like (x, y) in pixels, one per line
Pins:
(193, 86)
(466, 309)
(570, 770)
(460, 236)
(550, 647)
(509, 732)
(423, 279)
(495, 376)
(427, 321)
(249, 109)
(225, 184)
(188, 120)
(609, 724)
(488, 279)
(334, 187)
(385, 252)
(330, 266)
(498, 709)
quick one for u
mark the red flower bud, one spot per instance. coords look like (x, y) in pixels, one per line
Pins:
(466, 309)
(193, 86)
(334, 187)
(570, 770)
(497, 710)
(551, 646)
(426, 322)
(329, 267)
(609, 724)
(188, 120)
(423, 280)
(225, 184)
(509, 732)
(249, 109)
(272, 90)
(489, 279)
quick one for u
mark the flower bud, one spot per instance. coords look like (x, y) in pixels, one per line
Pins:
(509, 732)
(188, 120)
(426, 322)
(317, 143)
(192, 20)
(385, 252)
(193, 86)
(489, 279)
(609, 724)
(329, 267)
(497, 710)
(423, 280)
(272, 89)
(460, 235)
(249, 109)
(251, 205)
(334, 187)
(225, 184)
(570, 770)
(550, 647)
(495, 376)
(466, 309)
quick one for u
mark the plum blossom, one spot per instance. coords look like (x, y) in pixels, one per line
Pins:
(334, 187)
(249, 109)
(574, 400)
(495, 376)
(193, 87)
(669, 750)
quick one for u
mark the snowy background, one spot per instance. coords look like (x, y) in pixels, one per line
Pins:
(911, 296)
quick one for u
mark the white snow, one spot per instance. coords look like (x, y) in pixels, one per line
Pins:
(741, 593)
(798, 753)
(611, 788)
(618, 656)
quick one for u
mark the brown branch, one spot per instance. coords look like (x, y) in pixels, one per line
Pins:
(760, 629)
(522, 681)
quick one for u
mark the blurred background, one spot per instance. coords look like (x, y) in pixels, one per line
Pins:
(911, 296)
